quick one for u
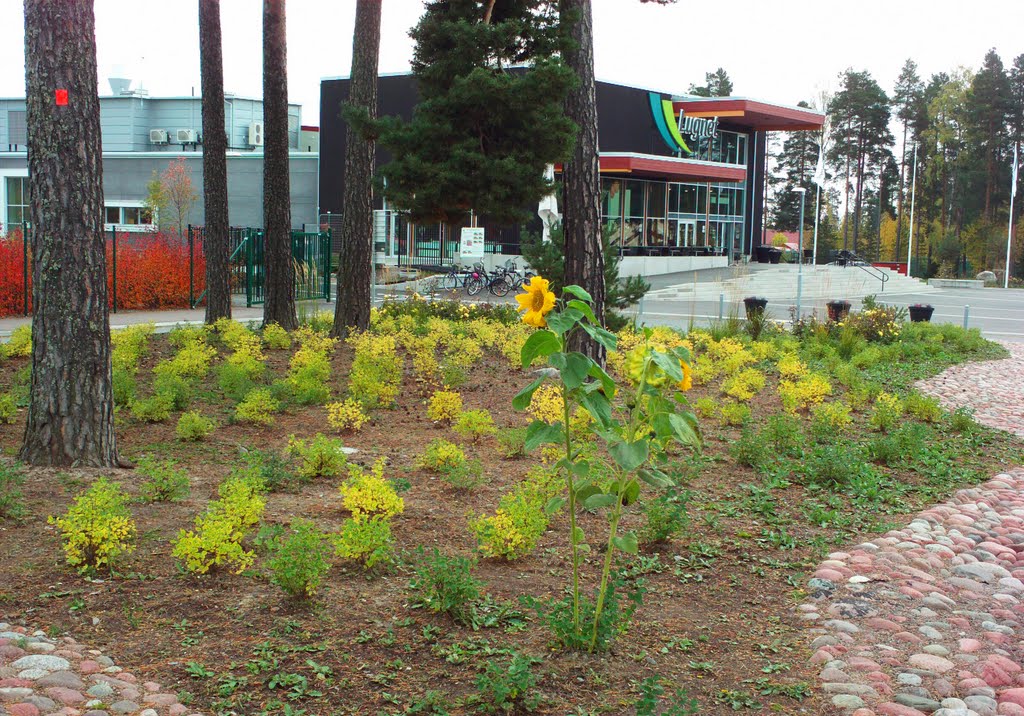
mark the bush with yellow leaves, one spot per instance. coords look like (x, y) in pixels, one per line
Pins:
(217, 538)
(98, 528)
(517, 525)
(376, 372)
(744, 385)
(804, 393)
(887, 412)
(790, 366)
(346, 415)
(444, 406)
(369, 494)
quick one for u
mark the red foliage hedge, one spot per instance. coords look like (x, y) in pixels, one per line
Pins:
(152, 272)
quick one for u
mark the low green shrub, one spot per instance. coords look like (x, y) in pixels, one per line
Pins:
(887, 411)
(19, 345)
(12, 506)
(319, 457)
(234, 381)
(441, 456)
(665, 517)
(217, 538)
(257, 407)
(164, 482)
(154, 409)
(731, 413)
(300, 562)
(367, 541)
(276, 338)
(8, 408)
(475, 424)
(616, 615)
(512, 443)
(270, 468)
(176, 388)
(922, 407)
(962, 420)
(508, 687)
(124, 386)
(444, 583)
(751, 449)
(782, 432)
(193, 427)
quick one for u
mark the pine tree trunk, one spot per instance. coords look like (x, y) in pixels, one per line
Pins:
(899, 196)
(355, 269)
(71, 405)
(581, 179)
(215, 168)
(279, 307)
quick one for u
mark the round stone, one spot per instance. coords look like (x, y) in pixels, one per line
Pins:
(42, 661)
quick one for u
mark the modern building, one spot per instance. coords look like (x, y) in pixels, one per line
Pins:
(682, 177)
(141, 135)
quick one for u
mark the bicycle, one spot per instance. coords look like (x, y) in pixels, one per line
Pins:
(456, 278)
(516, 279)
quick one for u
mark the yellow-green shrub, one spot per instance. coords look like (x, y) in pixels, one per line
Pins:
(19, 345)
(731, 413)
(217, 538)
(922, 407)
(744, 385)
(807, 391)
(462, 352)
(512, 342)
(346, 415)
(368, 541)
(320, 457)
(182, 336)
(129, 345)
(233, 333)
(192, 361)
(475, 424)
(257, 407)
(830, 418)
(546, 404)
(309, 370)
(8, 408)
(299, 563)
(98, 528)
(154, 409)
(705, 407)
(516, 526)
(887, 411)
(276, 338)
(790, 366)
(441, 456)
(248, 356)
(193, 426)
(369, 494)
(376, 372)
(444, 406)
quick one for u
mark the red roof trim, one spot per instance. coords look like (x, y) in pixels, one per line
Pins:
(761, 116)
(671, 168)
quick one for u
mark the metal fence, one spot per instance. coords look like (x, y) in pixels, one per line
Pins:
(311, 259)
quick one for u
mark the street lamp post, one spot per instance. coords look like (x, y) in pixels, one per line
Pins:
(800, 254)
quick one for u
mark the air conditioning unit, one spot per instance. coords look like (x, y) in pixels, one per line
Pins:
(256, 134)
(158, 136)
(186, 136)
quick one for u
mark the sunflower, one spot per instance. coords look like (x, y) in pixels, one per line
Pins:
(537, 301)
(687, 382)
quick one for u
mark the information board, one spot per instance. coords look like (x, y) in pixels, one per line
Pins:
(471, 245)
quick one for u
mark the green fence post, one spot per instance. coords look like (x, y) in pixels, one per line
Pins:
(113, 236)
(325, 249)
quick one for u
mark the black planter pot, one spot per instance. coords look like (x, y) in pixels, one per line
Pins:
(838, 310)
(921, 313)
(774, 255)
(763, 253)
(755, 306)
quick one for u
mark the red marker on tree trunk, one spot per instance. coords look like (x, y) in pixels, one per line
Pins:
(61, 97)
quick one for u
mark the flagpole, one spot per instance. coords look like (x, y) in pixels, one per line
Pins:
(817, 213)
(1009, 229)
(913, 188)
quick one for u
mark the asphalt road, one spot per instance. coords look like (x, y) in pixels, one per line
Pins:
(998, 313)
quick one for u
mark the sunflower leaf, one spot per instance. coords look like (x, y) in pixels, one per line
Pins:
(540, 343)
(579, 292)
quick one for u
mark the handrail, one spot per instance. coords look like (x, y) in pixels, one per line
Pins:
(241, 245)
(848, 258)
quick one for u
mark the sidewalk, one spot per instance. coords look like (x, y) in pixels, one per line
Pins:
(163, 320)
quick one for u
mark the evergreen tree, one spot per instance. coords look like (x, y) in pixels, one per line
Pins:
(908, 97)
(797, 163)
(490, 116)
(355, 269)
(716, 84)
(987, 112)
(71, 403)
(860, 138)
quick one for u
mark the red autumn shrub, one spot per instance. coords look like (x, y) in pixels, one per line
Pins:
(152, 272)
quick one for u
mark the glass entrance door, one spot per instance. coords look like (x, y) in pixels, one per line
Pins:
(686, 232)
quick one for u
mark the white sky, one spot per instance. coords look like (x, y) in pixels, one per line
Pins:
(777, 50)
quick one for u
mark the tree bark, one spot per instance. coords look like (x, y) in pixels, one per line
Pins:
(215, 168)
(581, 179)
(277, 211)
(71, 405)
(355, 269)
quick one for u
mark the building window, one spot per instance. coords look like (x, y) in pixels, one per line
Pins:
(129, 218)
(17, 128)
(16, 210)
